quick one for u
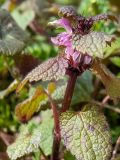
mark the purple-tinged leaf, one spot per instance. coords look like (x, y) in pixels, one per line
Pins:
(54, 68)
(104, 17)
(86, 134)
(67, 11)
(93, 44)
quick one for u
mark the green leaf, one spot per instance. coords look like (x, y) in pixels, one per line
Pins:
(83, 88)
(23, 19)
(58, 94)
(86, 133)
(68, 156)
(52, 69)
(114, 48)
(47, 135)
(12, 38)
(94, 43)
(28, 141)
(116, 61)
(27, 108)
(32, 136)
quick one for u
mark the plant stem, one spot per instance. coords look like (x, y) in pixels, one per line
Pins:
(57, 138)
(69, 92)
(116, 149)
(55, 149)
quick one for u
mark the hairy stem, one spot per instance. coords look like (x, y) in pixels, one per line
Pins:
(69, 92)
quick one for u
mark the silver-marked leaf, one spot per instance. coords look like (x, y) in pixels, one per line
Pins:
(86, 134)
(36, 133)
(12, 38)
(28, 141)
(53, 68)
(94, 43)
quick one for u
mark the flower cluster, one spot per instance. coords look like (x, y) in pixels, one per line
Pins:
(80, 44)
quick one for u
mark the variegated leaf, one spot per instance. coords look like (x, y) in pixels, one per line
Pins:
(53, 68)
(86, 134)
(33, 135)
(12, 38)
(93, 44)
(27, 108)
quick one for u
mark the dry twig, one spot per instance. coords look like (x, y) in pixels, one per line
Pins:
(116, 149)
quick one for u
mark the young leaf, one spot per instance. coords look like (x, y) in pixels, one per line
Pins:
(12, 38)
(53, 68)
(27, 108)
(104, 17)
(86, 133)
(93, 43)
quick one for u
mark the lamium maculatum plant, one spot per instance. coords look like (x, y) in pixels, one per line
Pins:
(85, 133)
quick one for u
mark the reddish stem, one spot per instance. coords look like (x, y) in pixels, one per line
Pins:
(55, 149)
(57, 138)
(55, 115)
(69, 92)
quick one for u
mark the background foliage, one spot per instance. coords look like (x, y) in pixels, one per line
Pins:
(33, 17)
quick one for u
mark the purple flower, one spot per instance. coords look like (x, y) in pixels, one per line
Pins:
(65, 40)
(79, 41)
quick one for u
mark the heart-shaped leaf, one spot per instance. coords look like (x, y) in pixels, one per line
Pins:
(86, 134)
(12, 38)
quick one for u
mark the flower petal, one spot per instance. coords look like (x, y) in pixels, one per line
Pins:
(63, 22)
(63, 39)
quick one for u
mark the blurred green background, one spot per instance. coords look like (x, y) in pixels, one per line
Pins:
(33, 17)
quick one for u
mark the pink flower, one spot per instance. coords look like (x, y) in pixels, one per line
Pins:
(64, 39)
